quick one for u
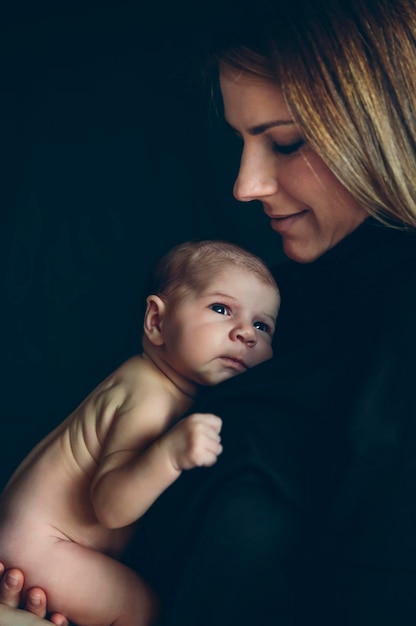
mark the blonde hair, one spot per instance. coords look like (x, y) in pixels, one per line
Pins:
(190, 266)
(347, 69)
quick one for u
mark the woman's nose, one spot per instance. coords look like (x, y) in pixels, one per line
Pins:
(256, 177)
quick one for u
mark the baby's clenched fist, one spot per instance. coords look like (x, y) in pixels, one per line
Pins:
(195, 441)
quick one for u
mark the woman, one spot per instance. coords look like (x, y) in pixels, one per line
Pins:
(309, 515)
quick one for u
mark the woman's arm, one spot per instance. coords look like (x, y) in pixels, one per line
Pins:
(35, 606)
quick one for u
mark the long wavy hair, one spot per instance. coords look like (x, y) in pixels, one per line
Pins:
(347, 69)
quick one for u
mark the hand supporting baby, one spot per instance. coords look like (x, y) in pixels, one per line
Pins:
(34, 605)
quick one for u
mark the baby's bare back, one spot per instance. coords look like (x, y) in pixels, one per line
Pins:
(49, 493)
(48, 526)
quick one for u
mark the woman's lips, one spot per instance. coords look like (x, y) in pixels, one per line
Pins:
(282, 223)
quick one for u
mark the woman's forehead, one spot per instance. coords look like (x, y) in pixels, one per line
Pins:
(251, 100)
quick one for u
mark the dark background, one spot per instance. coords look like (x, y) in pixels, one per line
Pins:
(109, 156)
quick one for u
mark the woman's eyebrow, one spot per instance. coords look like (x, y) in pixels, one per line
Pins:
(261, 128)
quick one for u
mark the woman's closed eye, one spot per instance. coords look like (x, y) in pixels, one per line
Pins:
(287, 149)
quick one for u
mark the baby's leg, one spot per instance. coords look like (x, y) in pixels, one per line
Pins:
(92, 589)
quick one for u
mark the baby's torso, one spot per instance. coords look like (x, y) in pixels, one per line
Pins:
(50, 490)
(49, 493)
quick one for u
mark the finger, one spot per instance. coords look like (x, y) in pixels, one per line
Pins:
(206, 434)
(58, 619)
(215, 448)
(36, 602)
(209, 418)
(210, 458)
(215, 422)
(11, 585)
(212, 435)
(211, 453)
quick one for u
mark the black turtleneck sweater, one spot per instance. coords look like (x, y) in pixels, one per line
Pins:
(309, 515)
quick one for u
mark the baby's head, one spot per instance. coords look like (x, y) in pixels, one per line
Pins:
(211, 311)
(190, 266)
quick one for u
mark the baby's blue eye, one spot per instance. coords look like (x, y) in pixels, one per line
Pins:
(261, 326)
(289, 148)
(220, 308)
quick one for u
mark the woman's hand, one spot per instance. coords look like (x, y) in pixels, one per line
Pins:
(35, 606)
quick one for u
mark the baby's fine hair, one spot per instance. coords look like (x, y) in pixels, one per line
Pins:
(190, 266)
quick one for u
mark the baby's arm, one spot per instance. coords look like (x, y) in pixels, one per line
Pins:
(130, 478)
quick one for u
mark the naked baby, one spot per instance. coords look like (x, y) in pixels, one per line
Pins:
(69, 509)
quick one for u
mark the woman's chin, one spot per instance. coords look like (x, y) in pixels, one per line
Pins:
(301, 253)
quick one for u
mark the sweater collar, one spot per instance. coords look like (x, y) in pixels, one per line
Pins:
(368, 252)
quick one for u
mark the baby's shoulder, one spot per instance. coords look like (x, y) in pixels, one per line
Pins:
(130, 385)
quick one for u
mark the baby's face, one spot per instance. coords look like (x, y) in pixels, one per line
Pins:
(223, 330)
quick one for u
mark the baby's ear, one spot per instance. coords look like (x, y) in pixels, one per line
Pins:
(152, 326)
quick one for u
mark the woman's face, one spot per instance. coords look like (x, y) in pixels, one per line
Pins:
(306, 204)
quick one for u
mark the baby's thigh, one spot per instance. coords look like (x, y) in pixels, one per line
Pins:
(92, 589)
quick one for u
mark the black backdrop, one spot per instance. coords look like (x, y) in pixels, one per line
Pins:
(108, 158)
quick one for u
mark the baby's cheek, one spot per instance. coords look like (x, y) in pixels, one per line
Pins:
(265, 354)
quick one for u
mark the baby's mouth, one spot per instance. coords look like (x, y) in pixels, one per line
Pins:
(237, 364)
